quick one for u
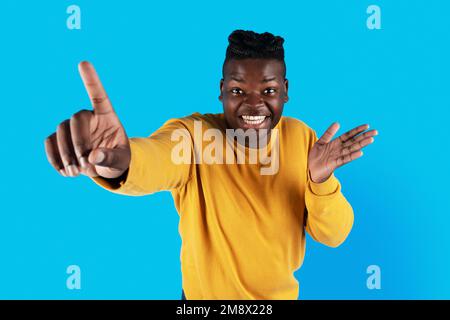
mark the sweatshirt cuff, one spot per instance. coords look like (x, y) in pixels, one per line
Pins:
(325, 188)
(127, 185)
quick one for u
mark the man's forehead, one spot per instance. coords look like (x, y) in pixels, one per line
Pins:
(260, 68)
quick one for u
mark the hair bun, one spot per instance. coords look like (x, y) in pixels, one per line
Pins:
(248, 44)
(252, 40)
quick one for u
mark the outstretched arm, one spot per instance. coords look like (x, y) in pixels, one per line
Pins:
(329, 216)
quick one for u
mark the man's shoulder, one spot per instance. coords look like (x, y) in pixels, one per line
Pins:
(297, 133)
(295, 125)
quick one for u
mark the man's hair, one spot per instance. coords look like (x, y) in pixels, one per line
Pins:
(251, 45)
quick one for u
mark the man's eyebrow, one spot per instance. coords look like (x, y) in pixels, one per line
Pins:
(269, 79)
(239, 79)
(236, 78)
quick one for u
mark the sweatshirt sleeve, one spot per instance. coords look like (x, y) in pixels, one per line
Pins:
(152, 168)
(329, 216)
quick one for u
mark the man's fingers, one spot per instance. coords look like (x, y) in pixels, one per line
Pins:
(80, 129)
(66, 150)
(94, 87)
(329, 133)
(357, 146)
(51, 150)
(362, 136)
(116, 159)
(350, 134)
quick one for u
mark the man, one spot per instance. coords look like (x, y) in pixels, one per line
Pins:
(242, 227)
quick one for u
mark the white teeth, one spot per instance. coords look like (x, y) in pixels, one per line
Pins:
(253, 119)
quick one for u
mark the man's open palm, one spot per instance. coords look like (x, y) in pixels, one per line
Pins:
(90, 142)
(326, 155)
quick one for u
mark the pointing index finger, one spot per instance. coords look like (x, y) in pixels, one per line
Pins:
(94, 88)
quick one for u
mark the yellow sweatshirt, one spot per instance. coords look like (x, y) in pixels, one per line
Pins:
(243, 232)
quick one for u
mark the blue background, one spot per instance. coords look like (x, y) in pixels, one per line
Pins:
(160, 60)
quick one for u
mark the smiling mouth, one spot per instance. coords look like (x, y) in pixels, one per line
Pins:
(253, 120)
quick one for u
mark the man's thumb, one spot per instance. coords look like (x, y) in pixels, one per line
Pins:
(118, 158)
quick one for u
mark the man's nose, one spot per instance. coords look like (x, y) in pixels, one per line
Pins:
(253, 100)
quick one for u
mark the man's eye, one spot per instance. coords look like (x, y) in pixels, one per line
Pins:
(270, 91)
(236, 91)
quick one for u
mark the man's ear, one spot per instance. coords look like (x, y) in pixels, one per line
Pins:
(221, 89)
(286, 87)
